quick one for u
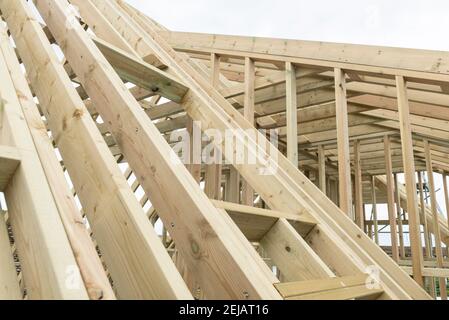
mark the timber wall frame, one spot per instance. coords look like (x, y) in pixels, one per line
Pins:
(350, 118)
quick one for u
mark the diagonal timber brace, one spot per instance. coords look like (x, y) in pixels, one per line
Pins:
(213, 252)
(299, 195)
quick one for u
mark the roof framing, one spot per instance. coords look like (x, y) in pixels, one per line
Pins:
(349, 118)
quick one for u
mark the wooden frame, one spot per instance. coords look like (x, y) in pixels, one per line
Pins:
(100, 171)
(159, 229)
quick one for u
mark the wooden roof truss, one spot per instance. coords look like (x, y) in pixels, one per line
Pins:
(343, 113)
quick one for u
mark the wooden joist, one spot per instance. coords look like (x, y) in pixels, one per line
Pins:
(358, 192)
(344, 288)
(91, 267)
(149, 155)
(291, 113)
(256, 222)
(9, 161)
(358, 58)
(248, 113)
(46, 260)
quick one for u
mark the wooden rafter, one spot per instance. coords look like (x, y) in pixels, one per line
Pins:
(348, 120)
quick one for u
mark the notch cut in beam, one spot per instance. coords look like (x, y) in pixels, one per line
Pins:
(9, 161)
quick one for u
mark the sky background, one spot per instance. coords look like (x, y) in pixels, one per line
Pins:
(398, 23)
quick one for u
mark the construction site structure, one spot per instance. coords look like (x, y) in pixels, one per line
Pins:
(98, 204)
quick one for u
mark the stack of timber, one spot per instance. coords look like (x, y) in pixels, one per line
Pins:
(92, 90)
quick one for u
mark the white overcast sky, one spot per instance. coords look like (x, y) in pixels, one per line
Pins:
(398, 23)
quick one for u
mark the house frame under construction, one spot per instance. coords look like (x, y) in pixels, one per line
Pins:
(95, 207)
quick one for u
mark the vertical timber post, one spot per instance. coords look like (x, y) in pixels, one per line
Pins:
(410, 181)
(344, 168)
(291, 113)
(213, 171)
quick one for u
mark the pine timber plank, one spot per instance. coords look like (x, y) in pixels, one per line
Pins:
(249, 247)
(374, 209)
(248, 113)
(446, 195)
(430, 272)
(390, 199)
(220, 262)
(375, 79)
(344, 166)
(100, 25)
(360, 58)
(410, 181)
(252, 226)
(292, 254)
(9, 282)
(44, 251)
(256, 222)
(436, 222)
(342, 288)
(9, 161)
(390, 104)
(194, 167)
(321, 169)
(423, 219)
(399, 215)
(238, 90)
(291, 113)
(358, 199)
(213, 173)
(91, 268)
(330, 219)
(434, 98)
(351, 293)
(232, 193)
(141, 73)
